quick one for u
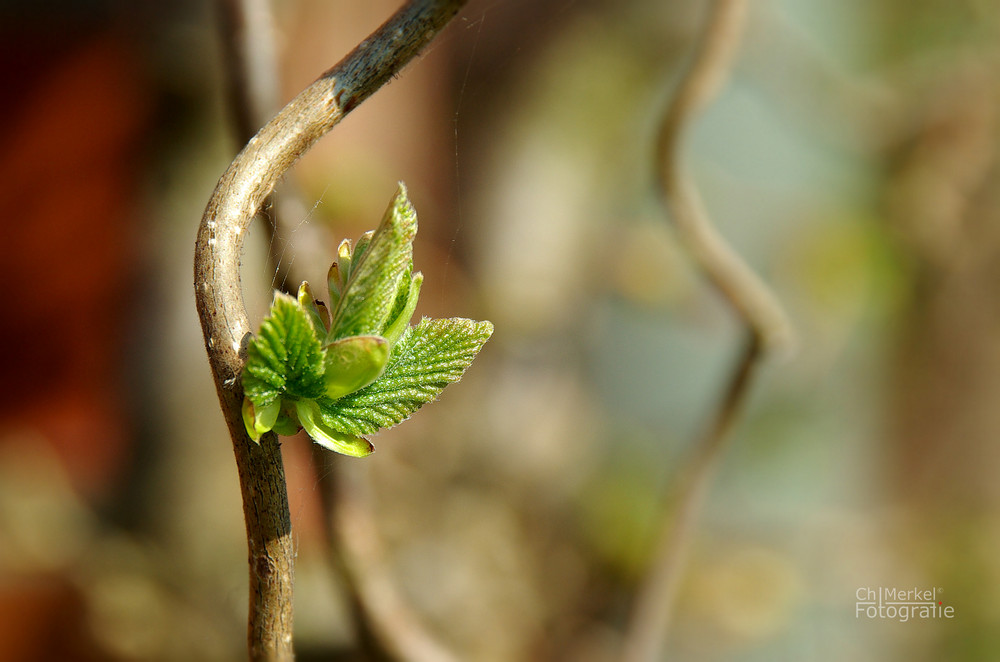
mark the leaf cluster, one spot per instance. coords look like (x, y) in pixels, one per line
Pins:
(348, 369)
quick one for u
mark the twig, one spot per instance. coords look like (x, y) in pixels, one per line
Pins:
(767, 326)
(218, 294)
(248, 42)
(737, 283)
(647, 633)
(387, 626)
(250, 59)
(248, 38)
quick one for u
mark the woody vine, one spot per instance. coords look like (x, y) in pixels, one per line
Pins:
(344, 367)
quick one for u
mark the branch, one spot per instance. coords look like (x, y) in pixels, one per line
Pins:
(647, 632)
(250, 56)
(248, 42)
(387, 626)
(218, 293)
(767, 325)
(736, 282)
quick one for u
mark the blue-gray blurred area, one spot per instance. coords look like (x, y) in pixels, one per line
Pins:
(851, 159)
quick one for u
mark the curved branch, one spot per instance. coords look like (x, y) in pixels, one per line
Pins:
(384, 619)
(247, 31)
(248, 42)
(647, 632)
(742, 289)
(386, 627)
(218, 294)
(767, 326)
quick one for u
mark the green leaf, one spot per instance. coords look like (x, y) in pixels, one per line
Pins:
(353, 363)
(344, 253)
(311, 306)
(406, 303)
(360, 247)
(259, 420)
(333, 283)
(358, 366)
(285, 358)
(288, 422)
(375, 276)
(334, 440)
(427, 358)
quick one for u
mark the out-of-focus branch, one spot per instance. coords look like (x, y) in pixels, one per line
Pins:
(218, 293)
(653, 611)
(387, 626)
(767, 326)
(726, 270)
(248, 42)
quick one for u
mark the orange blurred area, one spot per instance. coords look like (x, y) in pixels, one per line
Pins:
(72, 135)
(68, 177)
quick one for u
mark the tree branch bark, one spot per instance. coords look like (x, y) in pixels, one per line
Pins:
(218, 293)
(766, 323)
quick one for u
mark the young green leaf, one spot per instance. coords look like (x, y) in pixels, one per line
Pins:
(334, 440)
(374, 277)
(288, 421)
(259, 420)
(428, 357)
(309, 304)
(285, 358)
(353, 363)
(361, 368)
(359, 249)
(344, 253)
(334, 285)
(406, 303)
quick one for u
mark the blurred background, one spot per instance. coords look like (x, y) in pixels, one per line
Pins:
(852, 159)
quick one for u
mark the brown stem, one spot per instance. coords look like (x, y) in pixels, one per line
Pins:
(387, 625)
(218, 293)
(742, 289)
(248, 42)
(767, 326)
(647, 634)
